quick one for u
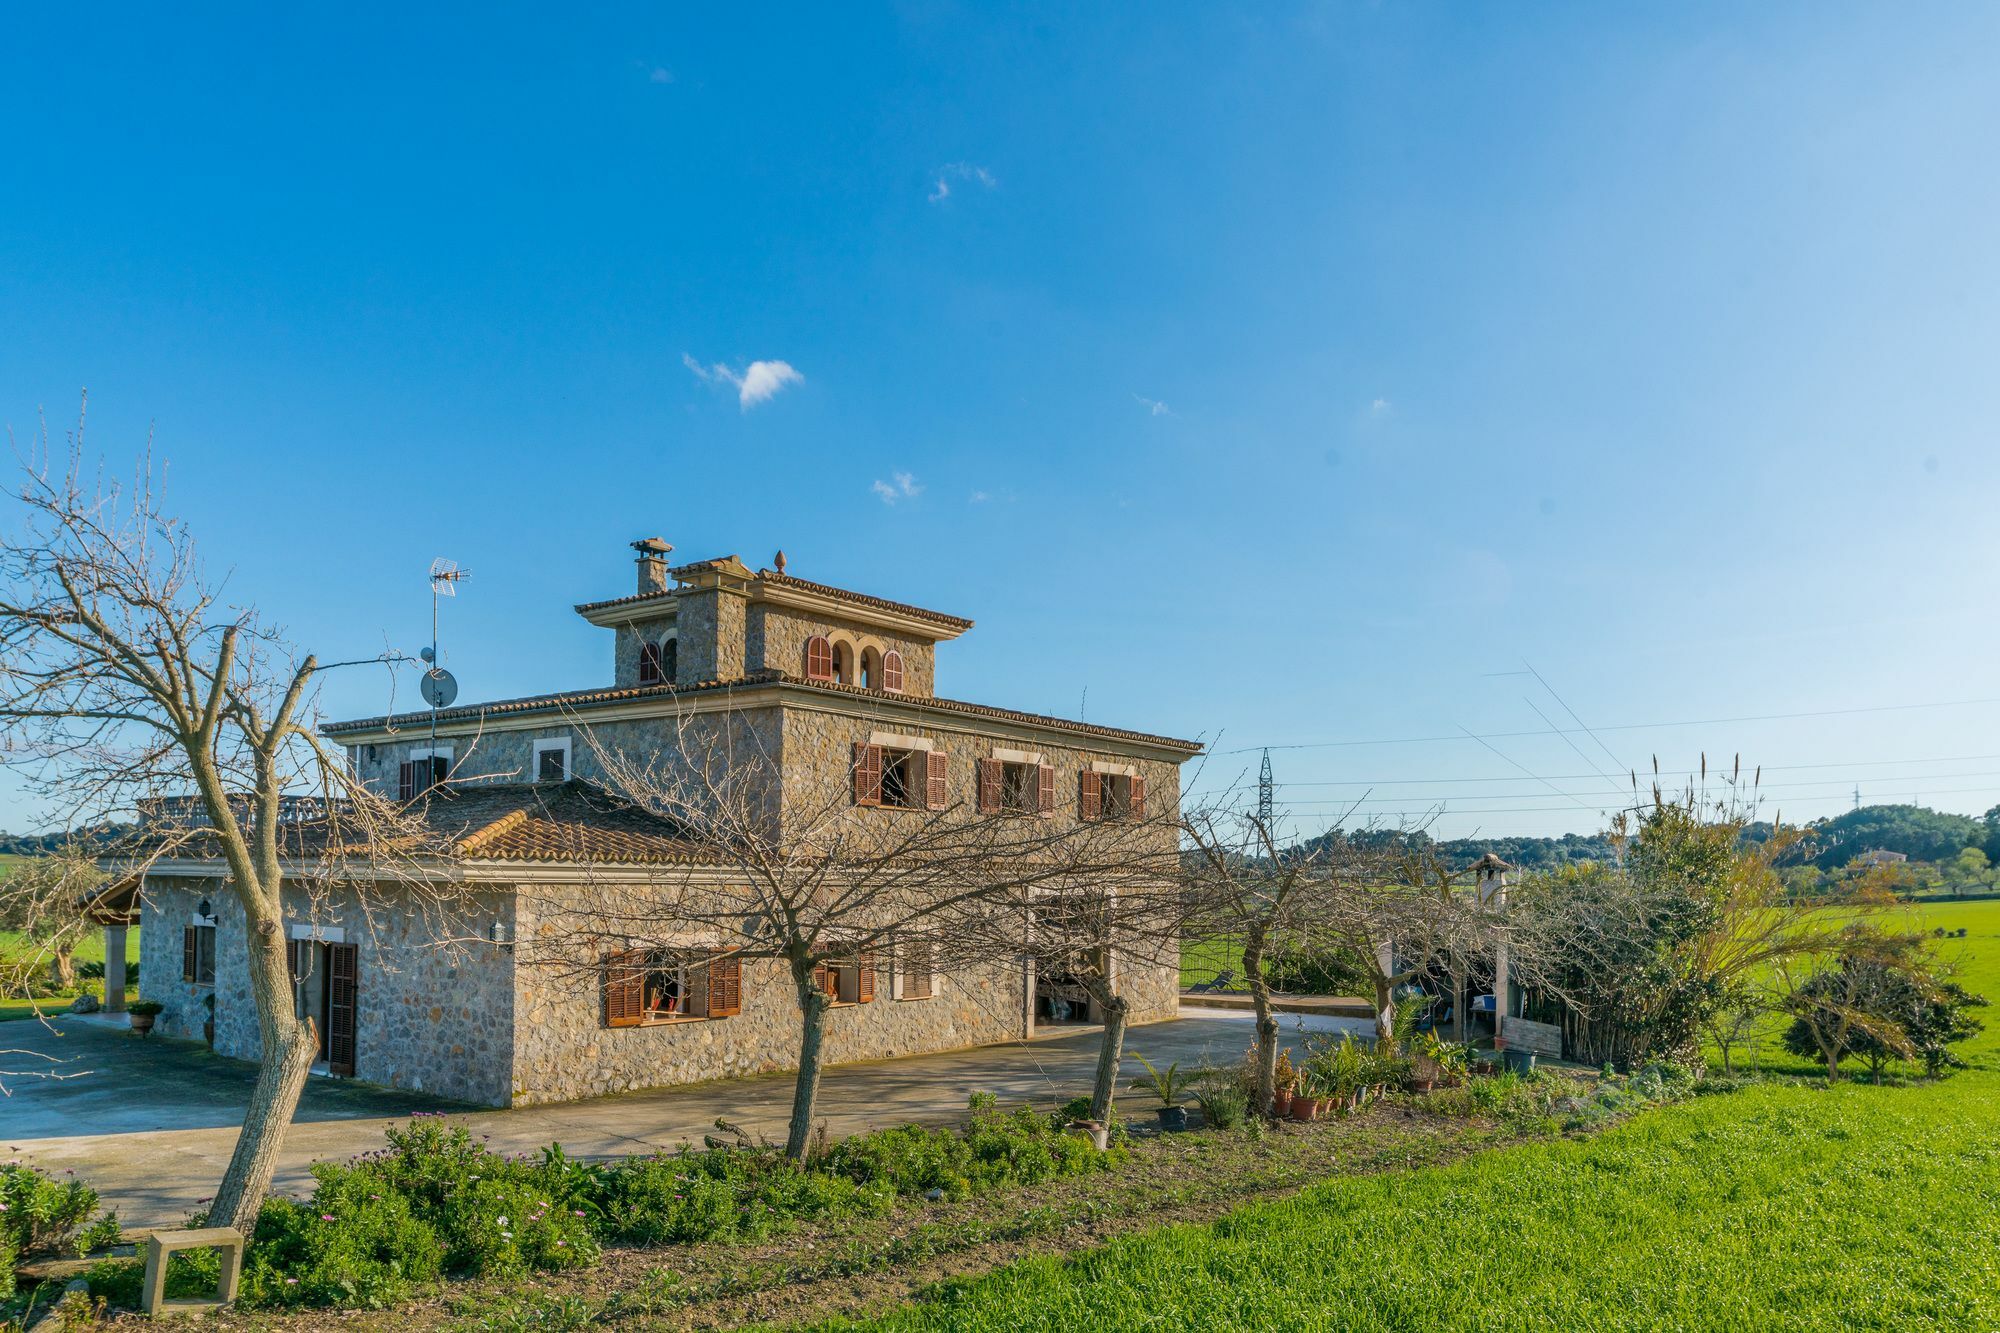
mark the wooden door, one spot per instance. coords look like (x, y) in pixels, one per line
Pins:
(342, 968)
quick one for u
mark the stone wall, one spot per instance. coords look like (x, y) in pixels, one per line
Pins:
(712, 634)
(777, 642)
(427, 1017)
(625, 646)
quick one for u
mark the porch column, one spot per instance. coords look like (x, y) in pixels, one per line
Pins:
(114, 968)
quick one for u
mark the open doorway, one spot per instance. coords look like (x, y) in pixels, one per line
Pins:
(1060, 995)
(325, 992)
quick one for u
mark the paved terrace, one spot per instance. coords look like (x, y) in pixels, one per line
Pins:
(151, 1122)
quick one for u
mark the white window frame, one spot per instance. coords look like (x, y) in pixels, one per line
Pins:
(545, 745)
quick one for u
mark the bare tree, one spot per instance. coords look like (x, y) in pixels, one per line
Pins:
(128, 682)
(791, 871)
(43, 899)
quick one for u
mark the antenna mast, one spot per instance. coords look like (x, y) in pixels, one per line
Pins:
(1264, 786)
(439, 687)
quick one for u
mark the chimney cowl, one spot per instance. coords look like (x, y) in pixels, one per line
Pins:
(653, 553)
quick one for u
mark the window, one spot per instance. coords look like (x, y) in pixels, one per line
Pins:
(871, 669)
(892, 671)
(198, 954)
(915, 979)
(904, 779)
(1009, 786)
(1110, 795)
(424, 769)
(843, 662)
(670, 660)
(649, 664)
(849, 980)
(650, 986)
(819, 658)
(552, 759)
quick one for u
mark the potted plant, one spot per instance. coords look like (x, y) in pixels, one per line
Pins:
(1519, 1060)
(143, 1013)
(1306, 1098)
(1167, 1086)
(1286, 1079)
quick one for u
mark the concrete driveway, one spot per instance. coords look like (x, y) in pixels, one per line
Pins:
(151, 1122)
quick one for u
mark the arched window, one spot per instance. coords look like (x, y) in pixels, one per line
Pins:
(649, 664)
(819, 658)
(871, 669)
(843, 662)
(892, 671)
(670, 661)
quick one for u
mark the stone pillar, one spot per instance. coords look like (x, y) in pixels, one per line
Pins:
(114, 968)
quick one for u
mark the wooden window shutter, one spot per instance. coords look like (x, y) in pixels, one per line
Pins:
(1047, 804)
(725, 983)
(649, 664)
(190, 950)
(1138, 797)
(824, 978)
(819, 658)
(916, 969)
(991, 775)
(867, 774)
(624, 990)
(406, 782)
(892, 671)
(1090, 794)
(343, 985)
(934, 784)
(864, 981)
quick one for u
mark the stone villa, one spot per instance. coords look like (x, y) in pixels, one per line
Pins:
(837, 684)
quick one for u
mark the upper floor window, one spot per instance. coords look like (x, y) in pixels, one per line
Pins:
(1016, 787)
(819, 658)
(552, 759)
(892, 671)
(423, 770)
(871, 669)
(904, 779)
(843, 662)
(659, 662)
(1110, 795)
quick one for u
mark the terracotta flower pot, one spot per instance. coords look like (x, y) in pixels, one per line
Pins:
(1305, 1109)
(1281, 1103)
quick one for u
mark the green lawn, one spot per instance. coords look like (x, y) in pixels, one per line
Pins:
(89, 950)
(1788, 1205)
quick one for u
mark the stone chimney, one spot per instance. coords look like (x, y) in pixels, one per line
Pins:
(652, 563)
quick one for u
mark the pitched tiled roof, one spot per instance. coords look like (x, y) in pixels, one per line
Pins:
(581, 700)
(569, 821)
(771, 576)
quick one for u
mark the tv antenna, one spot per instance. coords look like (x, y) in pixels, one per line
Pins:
(438, 686)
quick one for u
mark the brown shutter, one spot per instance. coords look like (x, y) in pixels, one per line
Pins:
(343, 965)
(819, 658)
(824, 979)
(991, 774)
(190, 951)
(1090, 794)
(624, 990)
(916, 967)
(867, 774)
(406, 781)
(1048, 801)
(934, 783)
(864, 984)
(725, 984)
(892, 671)
(1138, 797)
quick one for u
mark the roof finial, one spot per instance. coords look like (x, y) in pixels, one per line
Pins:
(779, 561)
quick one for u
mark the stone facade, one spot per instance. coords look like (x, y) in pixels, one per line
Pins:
(429, 1016)
(778, 634)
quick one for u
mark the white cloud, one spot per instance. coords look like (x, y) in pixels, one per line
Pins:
(901, 486)
(959, 171)
(661, 74)
(1153, 406)
(759, 382)
(979, 498)
(1380, 407)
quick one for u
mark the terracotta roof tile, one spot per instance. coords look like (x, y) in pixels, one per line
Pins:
(581, 700)
(771, 576)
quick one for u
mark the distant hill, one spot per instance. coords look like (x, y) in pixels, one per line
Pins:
(40, 844)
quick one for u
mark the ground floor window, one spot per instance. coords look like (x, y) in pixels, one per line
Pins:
(848, 980)
(647, 986)
(198, 954)
(916, 977)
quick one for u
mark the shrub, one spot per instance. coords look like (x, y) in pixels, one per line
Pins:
(355, 1243)
(39, 1212)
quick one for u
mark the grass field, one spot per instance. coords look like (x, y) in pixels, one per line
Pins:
(1786, 1205)
(90, 949)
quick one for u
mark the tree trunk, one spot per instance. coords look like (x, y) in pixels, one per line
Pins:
(63, 967)
(1385, 1008)
(289, 1048)
(1110, 1052)
(813, 1004)
(1267, 1025)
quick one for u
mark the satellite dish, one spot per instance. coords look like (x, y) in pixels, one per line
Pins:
(439, 687)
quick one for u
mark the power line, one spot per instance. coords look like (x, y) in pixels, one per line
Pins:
(1463, 734)
(1675, 773)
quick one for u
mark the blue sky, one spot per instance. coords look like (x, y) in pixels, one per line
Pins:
(1291, 375)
